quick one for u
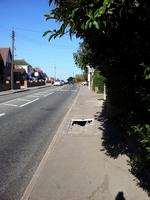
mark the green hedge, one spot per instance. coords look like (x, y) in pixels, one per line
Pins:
(98, 82)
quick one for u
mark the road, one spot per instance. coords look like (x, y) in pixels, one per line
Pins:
(28, 122)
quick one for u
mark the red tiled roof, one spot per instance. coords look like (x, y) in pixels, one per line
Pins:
(4, 53)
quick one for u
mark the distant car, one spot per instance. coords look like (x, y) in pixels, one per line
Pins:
(57, 83)
(84, 83)
(62, 82)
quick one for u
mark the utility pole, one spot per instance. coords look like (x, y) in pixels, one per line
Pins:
(55, 72)
(12, 64)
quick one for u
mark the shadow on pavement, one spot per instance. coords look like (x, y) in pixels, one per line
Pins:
(120, 196)
(112, 141)
(114, 144)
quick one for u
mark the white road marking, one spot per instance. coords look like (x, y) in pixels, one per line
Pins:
(2, 114)
(9, 104)
(23, 99)
(67, 90)
(10, 101)
(45, 94)
(36, 95)
(42, 92)
(28, 103)
(48, 94)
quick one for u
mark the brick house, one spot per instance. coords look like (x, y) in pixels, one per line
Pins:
(5, 68)
(21, 63)
(1, 70)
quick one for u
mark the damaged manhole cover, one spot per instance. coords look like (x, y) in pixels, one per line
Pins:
(82, 122)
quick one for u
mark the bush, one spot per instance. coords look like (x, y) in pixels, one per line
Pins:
(98, 82)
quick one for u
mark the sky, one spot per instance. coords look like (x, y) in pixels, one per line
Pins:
(27, 18)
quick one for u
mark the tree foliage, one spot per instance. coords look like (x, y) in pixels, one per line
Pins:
(98, 81)
(70, 80)
(80, 78)
(116, 41)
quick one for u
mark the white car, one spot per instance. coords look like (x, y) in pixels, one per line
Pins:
(57, 83)
(84, 83)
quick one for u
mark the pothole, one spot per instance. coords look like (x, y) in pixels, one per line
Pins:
(82, 122)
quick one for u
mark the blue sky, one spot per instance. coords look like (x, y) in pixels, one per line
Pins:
(27, 18)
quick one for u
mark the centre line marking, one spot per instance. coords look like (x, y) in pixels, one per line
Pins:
(28, 103)
(41, 92)
(67, 90)
(36, 95)
(2, 114)
(48, 94)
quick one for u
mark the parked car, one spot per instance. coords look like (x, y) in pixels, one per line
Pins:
(84, 83)
(62, 82)
(57, 83)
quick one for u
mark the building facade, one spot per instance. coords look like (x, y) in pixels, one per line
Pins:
(5, 68)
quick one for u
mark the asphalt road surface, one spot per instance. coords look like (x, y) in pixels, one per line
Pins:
(28, 122)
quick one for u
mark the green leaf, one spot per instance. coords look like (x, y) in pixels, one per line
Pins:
(87, 24)
(96, 24)
(50, 37)
(46, 32)
(83, 26)
(90, 24)
(74, 12)
(50, 2)
(90, 14)
(49, 16)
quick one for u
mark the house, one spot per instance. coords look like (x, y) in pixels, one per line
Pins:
(1, 71)
(19, 75)
(5, 67)
(21, 63)
(50, 80)
(39, 74)
(22, 71)
(30, 76)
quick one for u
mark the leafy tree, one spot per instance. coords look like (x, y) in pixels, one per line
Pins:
(70, 80)
(116, 41)
(80, 78)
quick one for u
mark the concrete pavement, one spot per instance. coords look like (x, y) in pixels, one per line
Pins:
(75, 168)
